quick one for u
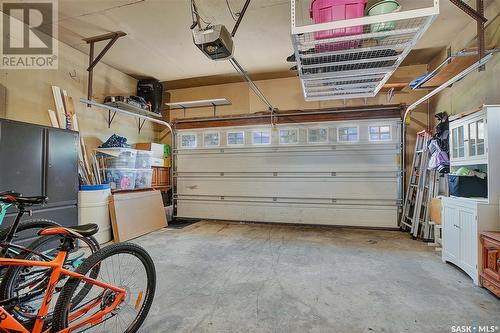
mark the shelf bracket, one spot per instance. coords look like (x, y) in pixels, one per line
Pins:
(215, 109)
(112, 37)
(140, 124)
(478, 15)
(111, 117)
(390, 94)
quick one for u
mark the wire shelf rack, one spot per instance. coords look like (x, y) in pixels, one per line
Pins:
(354, 58)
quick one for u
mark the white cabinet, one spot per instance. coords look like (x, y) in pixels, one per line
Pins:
(463, 220)
(475, 143)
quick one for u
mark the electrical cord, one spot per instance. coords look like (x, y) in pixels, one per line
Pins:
(230, 10)
(194, 11)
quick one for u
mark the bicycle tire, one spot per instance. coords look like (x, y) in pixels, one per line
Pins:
(63, 305)
(29, 224)
(13, 274)
(23, 226)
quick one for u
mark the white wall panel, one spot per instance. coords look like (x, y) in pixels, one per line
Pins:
(293, 161)
(362, 216)
(333, 187)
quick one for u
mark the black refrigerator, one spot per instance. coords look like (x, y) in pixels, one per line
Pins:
(39, 160)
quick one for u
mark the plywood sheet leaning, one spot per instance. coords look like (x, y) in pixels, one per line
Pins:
(134, 214)
(53, 118)
(58, 100)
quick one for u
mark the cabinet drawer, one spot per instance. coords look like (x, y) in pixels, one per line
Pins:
(161, 177)
(491, 258)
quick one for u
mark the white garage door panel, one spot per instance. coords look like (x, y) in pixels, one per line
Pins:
(327, 161)
(363, 216)
(341, 188)
(354, 183)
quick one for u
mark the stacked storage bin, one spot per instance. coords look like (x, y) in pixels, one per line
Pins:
(144, 174)
(322, 11)
(125, 168)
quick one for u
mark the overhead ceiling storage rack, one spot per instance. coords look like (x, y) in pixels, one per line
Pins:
(362, 55)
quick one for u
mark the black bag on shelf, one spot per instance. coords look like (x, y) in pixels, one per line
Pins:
(152, 91)
(468, 186)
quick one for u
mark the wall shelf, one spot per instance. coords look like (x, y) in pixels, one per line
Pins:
(202, 103)
(120, 107)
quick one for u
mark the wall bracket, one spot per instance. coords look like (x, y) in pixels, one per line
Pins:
(112, 37)
(478, 15)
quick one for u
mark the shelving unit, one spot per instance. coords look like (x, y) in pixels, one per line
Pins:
(202, 103)
(120, 107)
(474, 141)
(356, 65)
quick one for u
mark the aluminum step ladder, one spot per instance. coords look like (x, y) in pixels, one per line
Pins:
(422, 186)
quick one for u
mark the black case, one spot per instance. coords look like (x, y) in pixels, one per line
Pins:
(468, 186)
(152, 91)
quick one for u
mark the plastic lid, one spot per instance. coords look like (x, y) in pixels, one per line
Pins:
(98, 187)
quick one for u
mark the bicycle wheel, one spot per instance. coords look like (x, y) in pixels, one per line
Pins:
(26, 230)
(27, 285)
(127, 266)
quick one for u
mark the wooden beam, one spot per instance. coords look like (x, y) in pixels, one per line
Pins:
(107, 36)
(294, 116)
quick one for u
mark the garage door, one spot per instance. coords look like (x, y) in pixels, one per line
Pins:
(332, 173)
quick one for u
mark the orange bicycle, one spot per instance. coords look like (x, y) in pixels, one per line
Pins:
(117, 300)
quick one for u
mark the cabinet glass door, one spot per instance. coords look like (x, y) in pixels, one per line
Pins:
(454, 140)
(480, 137)
(458, 142)
(472, 139)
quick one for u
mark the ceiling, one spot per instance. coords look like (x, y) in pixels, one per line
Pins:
(159, 43)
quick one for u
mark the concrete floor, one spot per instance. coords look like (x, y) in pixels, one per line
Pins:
(230, 277)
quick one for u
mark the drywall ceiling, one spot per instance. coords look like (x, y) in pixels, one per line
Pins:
(159, 42)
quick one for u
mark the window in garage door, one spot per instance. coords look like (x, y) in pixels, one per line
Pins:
(317, 135)
(235, 138)
(289, 136)
(261, 137)
(348, 134)
(211, 139)
(380, 133)
(188, 140)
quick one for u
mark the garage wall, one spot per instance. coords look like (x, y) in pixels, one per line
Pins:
(479, 87)
(29, 95)
(285, 94)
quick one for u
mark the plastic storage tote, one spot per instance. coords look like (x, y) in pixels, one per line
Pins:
(323, 11)
(121, 179)
(143, 178)
(468, 186)
(118, 157)
(144, 159)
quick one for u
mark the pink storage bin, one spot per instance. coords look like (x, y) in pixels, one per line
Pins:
(322, 11)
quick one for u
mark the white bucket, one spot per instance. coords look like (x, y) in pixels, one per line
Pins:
(93, 207)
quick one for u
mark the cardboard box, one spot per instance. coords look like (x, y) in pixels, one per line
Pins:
(436, 210)
(157, 162)
(162, 162)
(167, 162)
(158, 149)
(136, 213)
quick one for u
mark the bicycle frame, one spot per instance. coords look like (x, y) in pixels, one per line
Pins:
(13, 228)
(8, 323)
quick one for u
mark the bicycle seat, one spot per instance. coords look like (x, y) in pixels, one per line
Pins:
(84, 230)
(12, 197)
